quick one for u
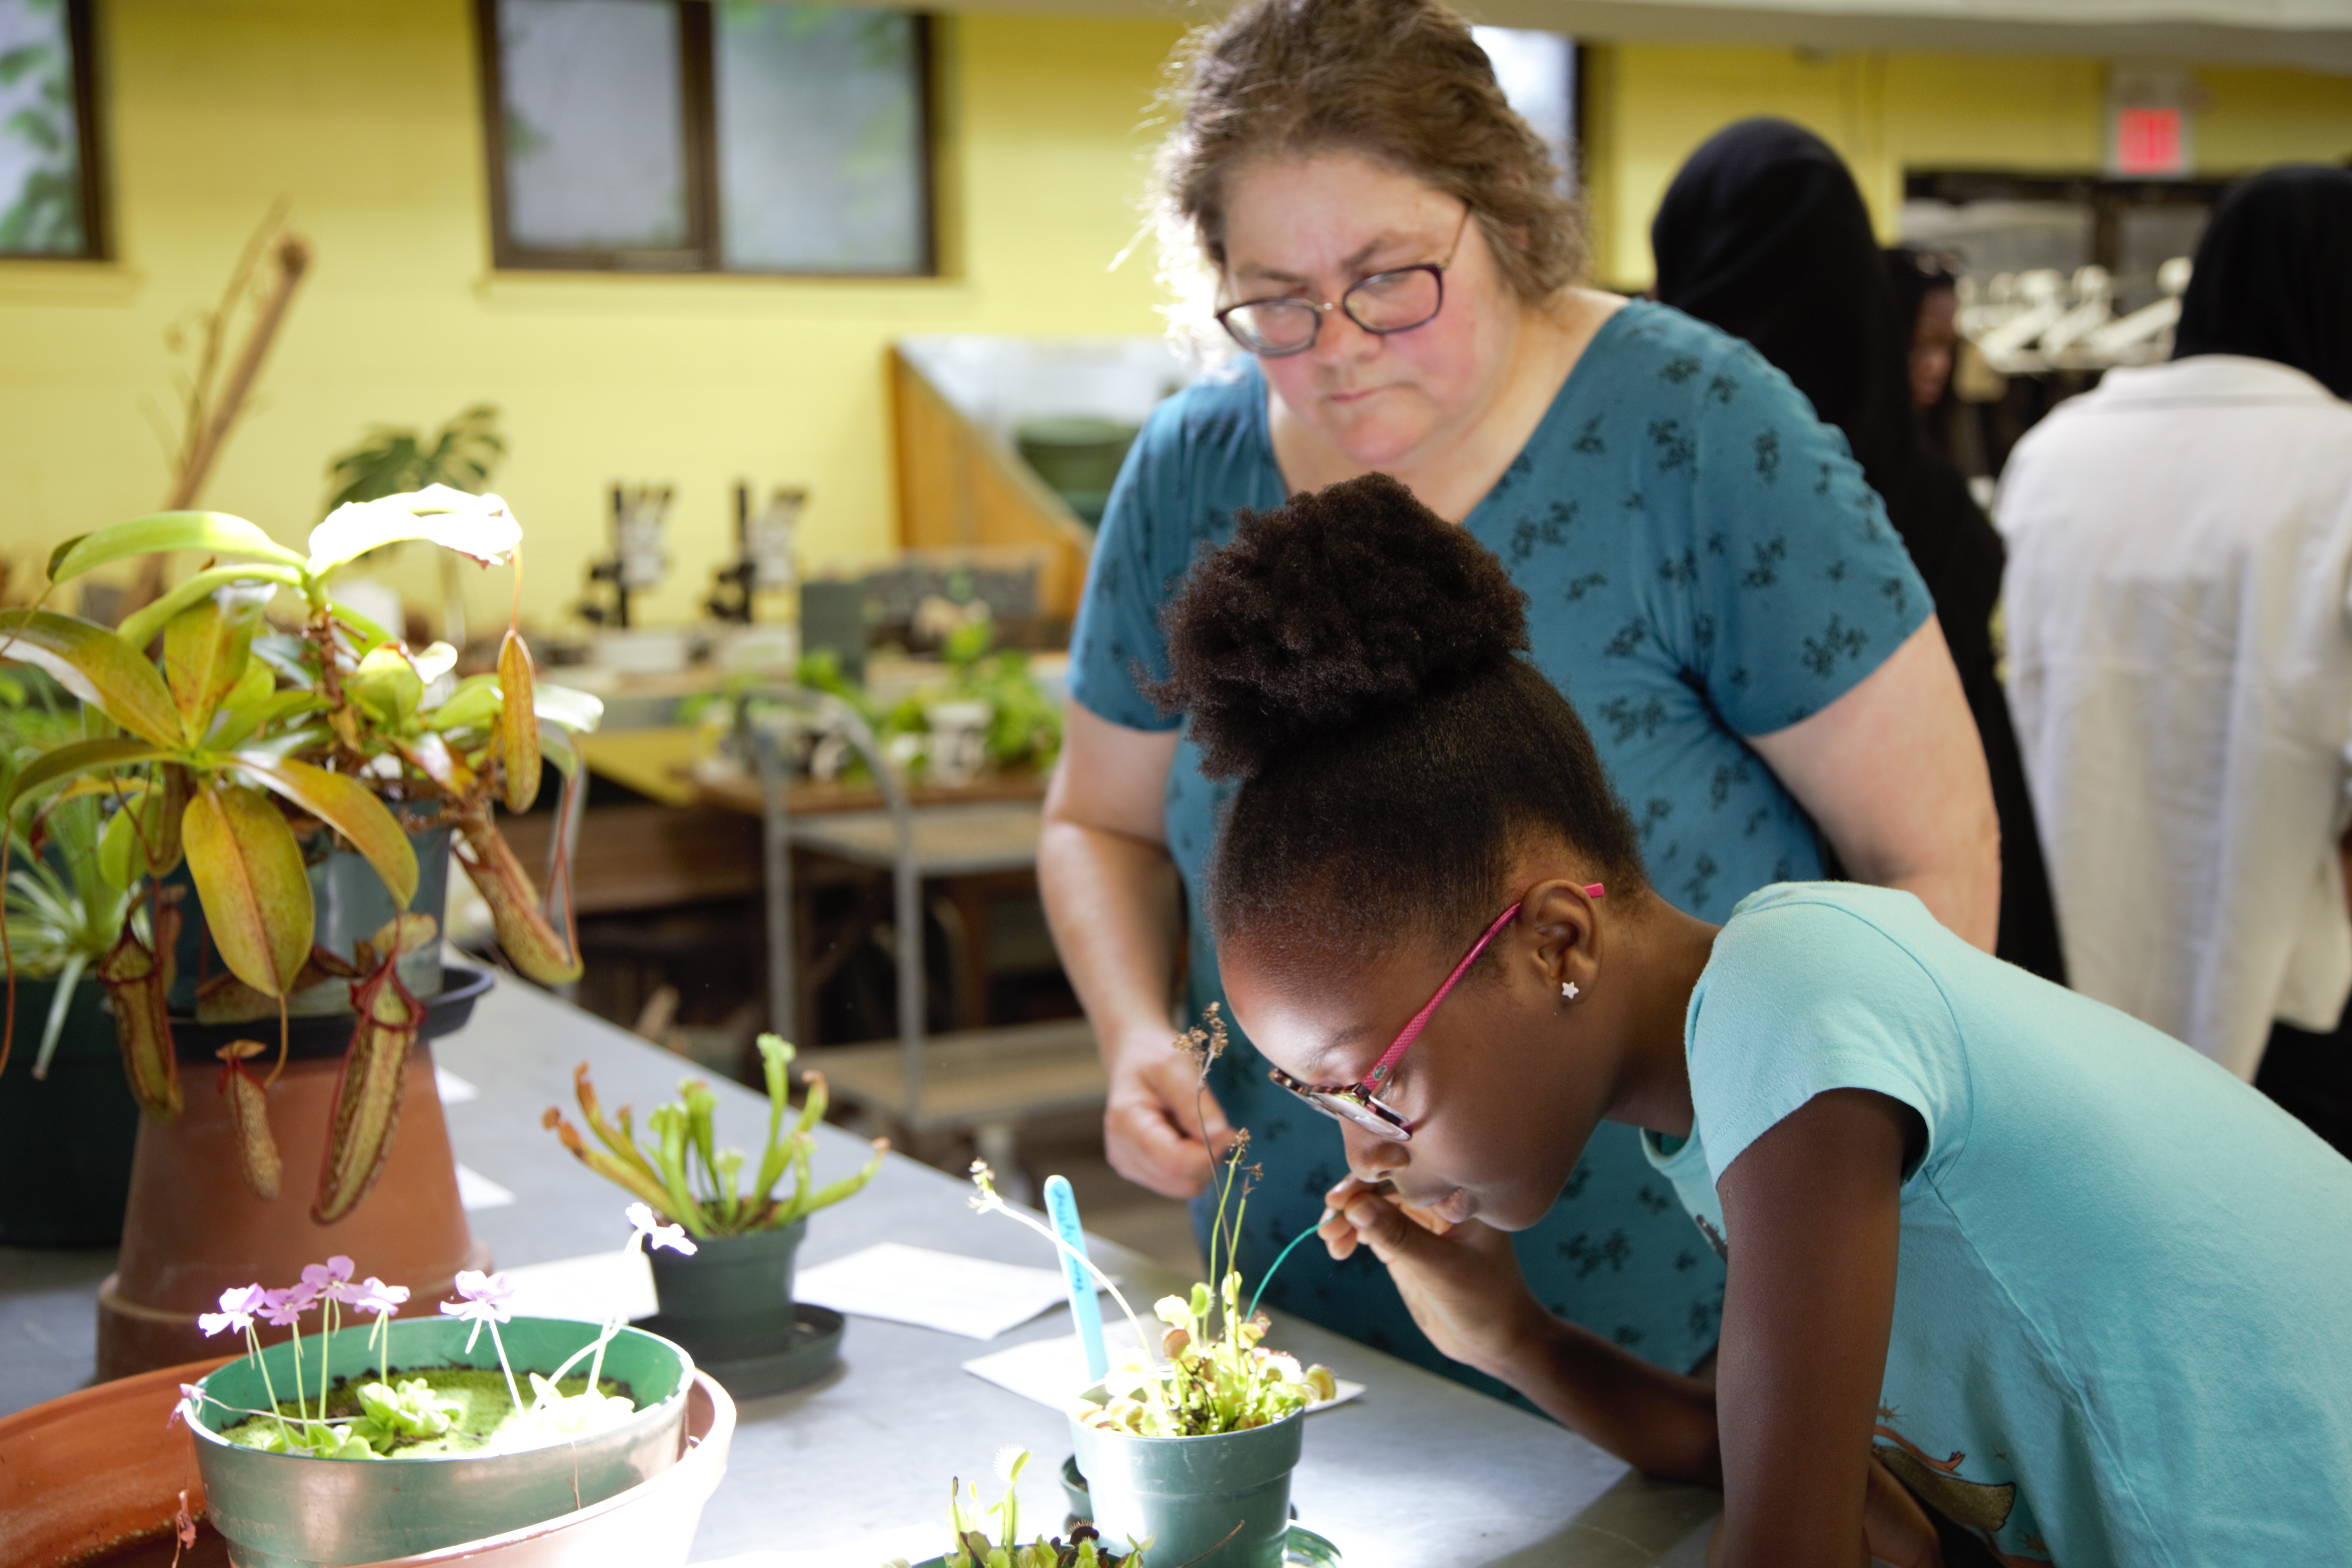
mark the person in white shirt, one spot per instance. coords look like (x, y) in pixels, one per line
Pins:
(2180, 642)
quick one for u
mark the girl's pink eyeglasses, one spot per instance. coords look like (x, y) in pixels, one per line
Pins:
(1359, 1103)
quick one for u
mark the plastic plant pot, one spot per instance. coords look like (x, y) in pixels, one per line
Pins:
(732, 1294)
(293, 1511)
(1218, 1501)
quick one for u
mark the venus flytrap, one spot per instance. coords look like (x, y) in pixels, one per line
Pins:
(971, 1547)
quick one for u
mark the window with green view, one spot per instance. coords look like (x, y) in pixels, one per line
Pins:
(47, 178)
(684, 135)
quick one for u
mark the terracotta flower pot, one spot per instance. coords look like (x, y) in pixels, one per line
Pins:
(194, 1230)
(98, 1469)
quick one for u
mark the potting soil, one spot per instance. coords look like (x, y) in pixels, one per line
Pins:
(480, 1391)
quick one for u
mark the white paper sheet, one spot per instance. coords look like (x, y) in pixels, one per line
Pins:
(452, 1090)
(943, 1291)
(477, 1191)
(1052, 1373)
(591, 1288)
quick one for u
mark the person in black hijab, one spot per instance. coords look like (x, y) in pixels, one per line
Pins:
(1764, 234)
(2274, 276)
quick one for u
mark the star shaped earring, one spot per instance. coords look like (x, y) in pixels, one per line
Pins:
(1568, 989)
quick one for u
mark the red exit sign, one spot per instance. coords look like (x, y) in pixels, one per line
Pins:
(2150, 141)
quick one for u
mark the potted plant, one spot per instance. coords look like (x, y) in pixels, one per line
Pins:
(240, 744)
(428, 1438)
(1193, 1451)
(67, 1119)
(729, 1300)
(968, 1546)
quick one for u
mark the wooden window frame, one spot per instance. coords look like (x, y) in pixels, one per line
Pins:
(698, 107)
(89, 146)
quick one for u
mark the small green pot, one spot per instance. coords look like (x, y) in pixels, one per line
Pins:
(292, 1511)
(732, 1294)
(66, 1140)
(1186, 1495)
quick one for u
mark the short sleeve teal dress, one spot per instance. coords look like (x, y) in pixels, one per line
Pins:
(1703, 563)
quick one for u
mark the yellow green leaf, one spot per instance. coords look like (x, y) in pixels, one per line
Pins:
(115, 848)
(250, 879)
(97, 667)
(207, 649)
(215, 531)
(347, 806)
(140, 626)
(518, 733)
(80, 757)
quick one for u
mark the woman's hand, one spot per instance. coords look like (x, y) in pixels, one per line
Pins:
(1161, 1127)
(1462, 1282)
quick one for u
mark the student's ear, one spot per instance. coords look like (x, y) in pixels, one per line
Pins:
(1561, 935)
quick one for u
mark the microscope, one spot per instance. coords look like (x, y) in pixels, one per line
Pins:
(764, 553)
(637, 561)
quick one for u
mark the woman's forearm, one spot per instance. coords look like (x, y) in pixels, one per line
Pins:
(1113, 904)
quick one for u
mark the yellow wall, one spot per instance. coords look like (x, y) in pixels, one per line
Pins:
(1888, 113)
(364, 115)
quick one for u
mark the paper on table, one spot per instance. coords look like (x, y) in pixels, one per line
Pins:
(944, 1290)
(592, 1289)
(477, 1191)
(1053, 1372)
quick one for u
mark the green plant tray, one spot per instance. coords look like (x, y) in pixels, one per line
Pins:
(1307, 1549)
(808, 1351)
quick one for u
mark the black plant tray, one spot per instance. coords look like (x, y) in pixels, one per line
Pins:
(329, 1034)
(804, 1353)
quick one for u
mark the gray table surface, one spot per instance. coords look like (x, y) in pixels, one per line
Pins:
(1419, 1472)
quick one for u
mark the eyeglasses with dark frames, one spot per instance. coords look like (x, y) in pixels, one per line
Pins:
(1359, 1103)
(1396, 301)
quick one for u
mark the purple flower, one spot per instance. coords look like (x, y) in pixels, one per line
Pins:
(284, 1309)
(331, 1279)
(486, 1296)
(372, 1295)
(192, 1399)
(656, 1233)
(238, 1308)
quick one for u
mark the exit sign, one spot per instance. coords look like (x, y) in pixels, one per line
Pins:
(2150, 141)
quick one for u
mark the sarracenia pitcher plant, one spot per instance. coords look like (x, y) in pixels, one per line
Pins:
(239, 726)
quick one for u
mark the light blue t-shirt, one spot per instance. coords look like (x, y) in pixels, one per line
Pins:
(2122, 1306)
(1703, 563)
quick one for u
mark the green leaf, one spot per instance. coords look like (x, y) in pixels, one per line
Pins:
(474, 705)
(249, 877)
(556, 745)
(118, 848)
(215, 531)
(366, 633)
(388, 685)
(238, 721)
(568, 706)
(478, 526)
(206, 648)
(81, 757)
(140, 626)
(347, 806)
(97, 667)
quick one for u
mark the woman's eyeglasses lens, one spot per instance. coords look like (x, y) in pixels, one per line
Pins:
(1347, 1109)
(1385, 303)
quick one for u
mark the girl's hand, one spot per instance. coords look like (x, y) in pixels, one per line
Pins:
(1462, 1282)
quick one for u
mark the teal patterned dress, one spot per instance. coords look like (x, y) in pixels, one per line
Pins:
(1703, 561)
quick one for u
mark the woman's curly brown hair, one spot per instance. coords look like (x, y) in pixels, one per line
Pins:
(1354, 660)
(1400, 81)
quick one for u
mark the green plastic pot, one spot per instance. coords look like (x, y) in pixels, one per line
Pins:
(732, 1294)
(1189, 1495)
(292, 1511)
(66, 1140)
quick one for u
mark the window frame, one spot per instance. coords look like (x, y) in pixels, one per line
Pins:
(89, 148)
(698, 106)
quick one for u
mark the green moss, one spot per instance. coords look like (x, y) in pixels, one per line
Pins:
(479, 1394)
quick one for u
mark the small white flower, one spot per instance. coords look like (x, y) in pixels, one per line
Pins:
(648, 1225)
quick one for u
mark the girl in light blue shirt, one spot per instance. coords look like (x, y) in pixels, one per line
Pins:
(2002, 1262)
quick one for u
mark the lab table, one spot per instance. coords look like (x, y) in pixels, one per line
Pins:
(1418, 1473)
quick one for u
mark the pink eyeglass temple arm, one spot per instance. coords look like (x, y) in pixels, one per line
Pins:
(1382, 1068)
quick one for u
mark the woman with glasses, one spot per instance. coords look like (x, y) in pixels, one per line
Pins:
(1710, 578)
(2008, 1269)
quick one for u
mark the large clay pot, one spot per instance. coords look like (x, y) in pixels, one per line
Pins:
(65, 1140)
(96, 1468)
(194, 1230)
